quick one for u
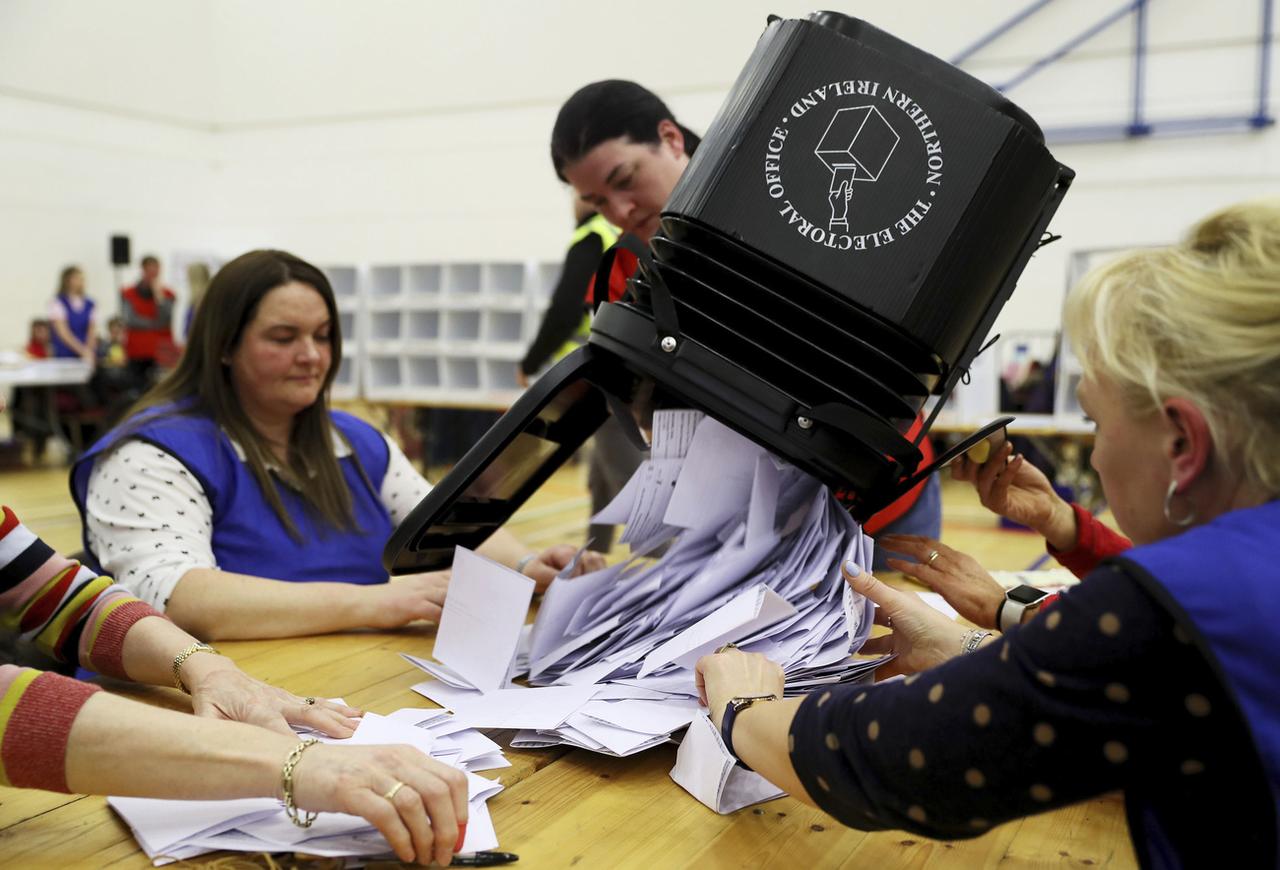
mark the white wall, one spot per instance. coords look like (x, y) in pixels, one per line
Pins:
(64, 190)
(393, 131)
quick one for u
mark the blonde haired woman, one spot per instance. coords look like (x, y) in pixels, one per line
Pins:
(1159, 675)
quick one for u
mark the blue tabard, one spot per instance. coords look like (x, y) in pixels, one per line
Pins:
(77, 322)
(248, 537)
(1224, 577)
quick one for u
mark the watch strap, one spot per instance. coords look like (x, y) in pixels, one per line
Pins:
(731, 711)
(726, 730)
(1010, 613)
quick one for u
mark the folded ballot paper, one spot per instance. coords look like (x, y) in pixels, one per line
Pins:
(751, 549)
(706, 769)
(174, 830)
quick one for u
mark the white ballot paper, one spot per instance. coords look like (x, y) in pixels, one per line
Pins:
(706, 770)
(484, 611)
(753, 609)
(751, 549)
(174, 830)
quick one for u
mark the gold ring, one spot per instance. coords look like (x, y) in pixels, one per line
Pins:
(308, 701)
(729, 645)
(391, 794)
(933, 554)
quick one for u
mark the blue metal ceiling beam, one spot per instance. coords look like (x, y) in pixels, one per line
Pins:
(1262, 117)
(999, 31)
(1070, 45)
(1136, 125)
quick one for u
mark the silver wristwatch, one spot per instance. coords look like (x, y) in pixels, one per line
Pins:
(1016, 602)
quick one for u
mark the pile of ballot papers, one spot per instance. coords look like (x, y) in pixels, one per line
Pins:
(728, 544)
(173, 830)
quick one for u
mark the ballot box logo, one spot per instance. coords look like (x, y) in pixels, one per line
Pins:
(856, 147)
(854, 165)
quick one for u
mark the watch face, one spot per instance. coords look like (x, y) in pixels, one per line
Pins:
(1026, 594)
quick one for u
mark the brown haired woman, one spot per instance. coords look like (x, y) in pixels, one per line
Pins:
(74, 332)
(232, 478)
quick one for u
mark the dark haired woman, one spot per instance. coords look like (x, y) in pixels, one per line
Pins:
(623, 151)
(233, 475)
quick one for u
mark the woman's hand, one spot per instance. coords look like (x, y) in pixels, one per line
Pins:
(220, 690)
(423, 821)
(722, 676)
(956, 576)
(544, 567)
(1017, 490)
(922, 637)
(405, 599)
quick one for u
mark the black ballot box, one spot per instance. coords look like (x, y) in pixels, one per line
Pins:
(946, 185)
(835, 253)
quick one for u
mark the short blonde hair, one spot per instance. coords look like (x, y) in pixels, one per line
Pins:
(1198, 320)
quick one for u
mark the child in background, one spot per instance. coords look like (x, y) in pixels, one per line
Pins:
(31, 409)
(39, 340)
(111, 352)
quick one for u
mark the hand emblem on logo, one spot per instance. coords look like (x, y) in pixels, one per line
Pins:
(839, 199)
(856, 146)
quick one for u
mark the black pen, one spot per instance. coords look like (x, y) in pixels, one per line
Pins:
(484, 859)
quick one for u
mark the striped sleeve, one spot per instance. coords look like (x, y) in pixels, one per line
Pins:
(37, 711)
(60, 607)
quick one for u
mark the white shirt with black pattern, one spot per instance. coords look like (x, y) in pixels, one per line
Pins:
(149, 521)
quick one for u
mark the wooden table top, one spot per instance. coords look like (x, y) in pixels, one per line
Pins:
(568, 808)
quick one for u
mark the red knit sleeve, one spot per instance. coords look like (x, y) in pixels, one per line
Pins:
(1094, 542)
(37, 710)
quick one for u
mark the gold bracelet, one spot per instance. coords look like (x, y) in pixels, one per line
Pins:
(183, 656)
(286, 784)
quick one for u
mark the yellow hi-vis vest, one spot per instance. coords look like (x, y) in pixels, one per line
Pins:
(608, 234)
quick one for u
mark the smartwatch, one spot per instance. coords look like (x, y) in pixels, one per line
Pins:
(731, 711)
(1016, 602)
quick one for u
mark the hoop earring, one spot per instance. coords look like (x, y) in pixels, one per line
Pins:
(1168, 508)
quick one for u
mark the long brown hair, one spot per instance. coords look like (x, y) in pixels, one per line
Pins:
(64, 279)
(201, 384)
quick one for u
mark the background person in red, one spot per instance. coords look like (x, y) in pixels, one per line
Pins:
(623, 151)
(147, 309)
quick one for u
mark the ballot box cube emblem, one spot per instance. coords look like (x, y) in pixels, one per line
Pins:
(856, 146)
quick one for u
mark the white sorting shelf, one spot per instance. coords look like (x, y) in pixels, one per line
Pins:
(461, 373)
(347, 325)
(545, 277)
(386, 280)
(423, 372)
(503, 326)
(447, 332)
(507, 279)
(462, 278)
(344, 384)
(345, 281)
(424, 279)
(422, 324)
(500, 374)
(462, 325)
(384, 373)
(384, 326)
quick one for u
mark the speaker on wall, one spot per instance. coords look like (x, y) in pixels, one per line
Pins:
(119, 250)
